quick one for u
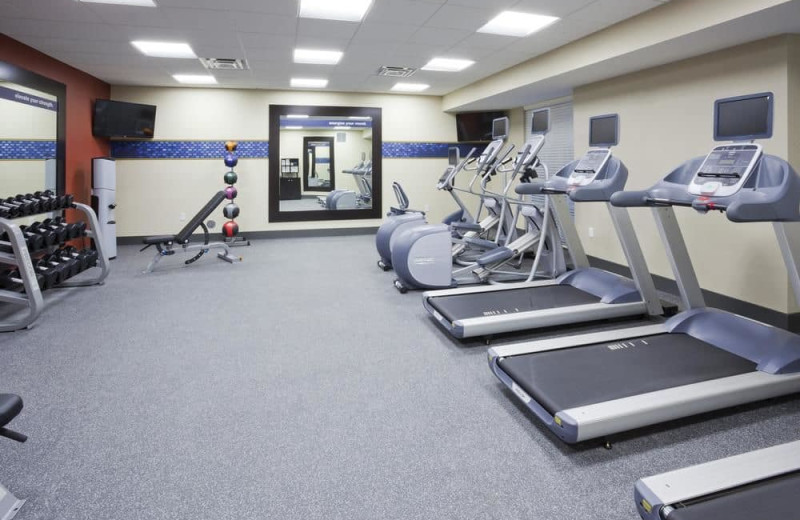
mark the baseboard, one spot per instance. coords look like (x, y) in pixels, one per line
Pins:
(284, 233)
(720, 301)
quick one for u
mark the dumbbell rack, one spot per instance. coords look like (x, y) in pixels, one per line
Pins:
(31, 296)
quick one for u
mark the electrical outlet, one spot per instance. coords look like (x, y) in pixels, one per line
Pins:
(591, 232)
(182, 217)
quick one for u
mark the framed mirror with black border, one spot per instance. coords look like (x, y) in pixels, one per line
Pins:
(324, 163)
(32, 132)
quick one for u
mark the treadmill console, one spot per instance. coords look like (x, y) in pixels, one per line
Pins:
(588, 167)
(725, 169)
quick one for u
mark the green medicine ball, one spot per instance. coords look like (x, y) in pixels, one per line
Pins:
(231, 177)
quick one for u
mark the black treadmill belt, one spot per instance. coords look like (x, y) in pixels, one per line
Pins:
(477, 305)
(578, 376)
(774, 499)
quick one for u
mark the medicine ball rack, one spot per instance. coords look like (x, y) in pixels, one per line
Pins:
(18, 253)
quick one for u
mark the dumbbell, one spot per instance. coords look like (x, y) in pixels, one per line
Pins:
(72, 266)
(74, 229)
(47, 195)
(53, 272)
(5, 212)
(35, 241)
(6, 248)
(15, 209)
(81, 257)
(35, 205)
(59, 227)
(40, 203)
(11, 280)
(28, 207)
(67, 201)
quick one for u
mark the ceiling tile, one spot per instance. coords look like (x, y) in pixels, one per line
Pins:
(384, 32)
(284, 8)
(129, 15)
(437, 35)
(326, 28)
(58, 11)
(561, 8)
(402, 11)
(181, 18)
(263, 23)
(458, 17)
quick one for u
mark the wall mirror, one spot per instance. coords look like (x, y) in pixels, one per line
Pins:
(32, 132)
(324, 163)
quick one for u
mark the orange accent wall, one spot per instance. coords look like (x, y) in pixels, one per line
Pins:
(82, 90)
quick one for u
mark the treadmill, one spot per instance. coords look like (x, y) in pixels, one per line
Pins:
(581, 295)
(754, 485)
(702, 359)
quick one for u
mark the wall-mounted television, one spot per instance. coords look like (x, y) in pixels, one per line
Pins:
(121, 119)
(476, 126)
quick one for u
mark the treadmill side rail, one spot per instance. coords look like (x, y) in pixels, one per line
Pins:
(439, 293)
(654, 493)
(497, 324)
(619, 415)
(560, 342)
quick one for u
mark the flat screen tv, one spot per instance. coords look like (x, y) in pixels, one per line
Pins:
(120, 119)
(476, 126)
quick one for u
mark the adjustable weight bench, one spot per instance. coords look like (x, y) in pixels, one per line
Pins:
(166, 244)
(10, 407)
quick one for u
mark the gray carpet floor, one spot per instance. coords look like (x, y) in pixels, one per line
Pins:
(299, 384)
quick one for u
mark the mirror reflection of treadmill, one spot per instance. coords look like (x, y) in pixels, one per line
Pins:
(702, 359)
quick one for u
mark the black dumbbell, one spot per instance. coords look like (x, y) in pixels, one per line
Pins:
(71, 265)
(12, 281)
(5, 212)
(80, 256)
(34, 240)
(40, 203)
(34, 205)
(59, 227)
(52, 273)
(15, 209)
(67, 201)
(52, 199)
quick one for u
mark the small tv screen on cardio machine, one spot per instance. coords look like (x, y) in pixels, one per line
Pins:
(743, 118)
(540, 121)
(452, 156)
(500, 128)
(604, 130)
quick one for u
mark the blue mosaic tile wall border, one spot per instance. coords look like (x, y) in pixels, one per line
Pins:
(17, 150)
(185, 149)
(260, 149)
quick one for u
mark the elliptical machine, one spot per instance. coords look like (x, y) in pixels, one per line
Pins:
(422, 260)
(401, 218)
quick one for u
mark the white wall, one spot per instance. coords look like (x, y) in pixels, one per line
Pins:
(665, 119)
(152, 194)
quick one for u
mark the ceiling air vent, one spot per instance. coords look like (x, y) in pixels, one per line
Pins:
(396, 72)
(224, 63)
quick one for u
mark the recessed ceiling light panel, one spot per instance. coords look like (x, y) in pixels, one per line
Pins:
(513, 23)
(195, 79)
(165, 49)
(410, 87)
(447, 64)
(342, 10)
(317, 57)
(137, 3)
(309, 83)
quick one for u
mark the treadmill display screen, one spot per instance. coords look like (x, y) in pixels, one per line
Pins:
(604, 130)
(725, 170)
(743, 118)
